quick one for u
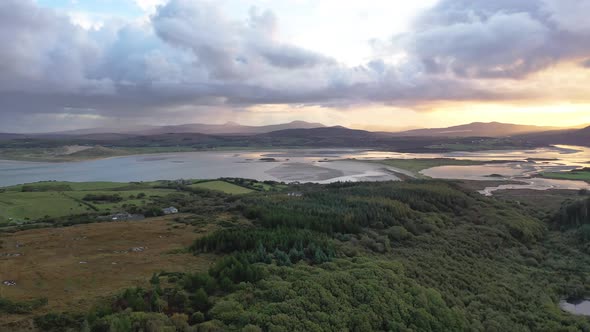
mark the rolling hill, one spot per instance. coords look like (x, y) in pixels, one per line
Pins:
(579, 137)
(477, 129)
(229, 128)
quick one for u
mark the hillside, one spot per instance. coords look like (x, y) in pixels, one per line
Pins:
(477, 129)
(333, 132)
(201, 128)
(336, 137)
(95, 152)
(579, 137)
(8, 136)
(230, 128)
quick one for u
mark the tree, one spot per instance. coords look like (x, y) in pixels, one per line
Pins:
(200, 300)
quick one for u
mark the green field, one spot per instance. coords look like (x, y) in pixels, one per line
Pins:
(60, 154)
(228, 188)
(129, 197)
(82, 186)
(477, 145)
(31, 202)
(417, 165)
(21, 206)
(578, 175)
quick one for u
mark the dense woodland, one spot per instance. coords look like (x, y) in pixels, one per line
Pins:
(412, 256)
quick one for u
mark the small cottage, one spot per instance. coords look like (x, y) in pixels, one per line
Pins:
(170, 210)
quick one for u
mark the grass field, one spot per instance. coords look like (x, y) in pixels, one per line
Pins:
(129, 197)
(86, 186)
(226, 187)
(490, 144)
(61, 154)
(30, 202)
(57, 199)
(30, 206)
(417, 165)
(74, 267)
(579, 175)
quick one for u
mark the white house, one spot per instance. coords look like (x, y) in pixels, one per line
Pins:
(170, 210)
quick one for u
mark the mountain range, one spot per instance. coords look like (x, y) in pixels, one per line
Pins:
(315, 134)
(475, 129)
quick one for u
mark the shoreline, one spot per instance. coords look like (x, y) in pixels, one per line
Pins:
(58, 159)
(132, 151)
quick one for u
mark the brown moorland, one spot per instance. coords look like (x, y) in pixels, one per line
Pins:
(75, 267)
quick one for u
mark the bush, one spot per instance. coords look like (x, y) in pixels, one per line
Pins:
(583, 233)
(398, 233)
(197, 318)
(10, 307)
(59, 322)
(116, 198)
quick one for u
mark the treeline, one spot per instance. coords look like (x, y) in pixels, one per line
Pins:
(45, 186)
(574, 214)
(286, 245)
(115, 198)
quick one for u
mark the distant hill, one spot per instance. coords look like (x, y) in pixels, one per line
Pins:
(323, 132)
(229, 128)
(97, 130)
(8, 136)
(479, 129)
(341, 137)
(579, 137)
(95, 152)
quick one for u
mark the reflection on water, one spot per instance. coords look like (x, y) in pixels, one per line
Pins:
(539, 184)
(303, 165)
(289, 166)
(576, 308)
(521, 172)
(475, 172)
(521, 166)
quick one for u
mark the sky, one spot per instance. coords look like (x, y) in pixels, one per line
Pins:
(371, 64)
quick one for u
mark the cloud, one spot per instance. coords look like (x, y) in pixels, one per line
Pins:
(228, 49)
(45, 52)
(498, 39)
(149, 5)
(190, 55)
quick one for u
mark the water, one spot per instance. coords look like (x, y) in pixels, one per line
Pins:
(520, 166)
(578, 308)
(302, 165)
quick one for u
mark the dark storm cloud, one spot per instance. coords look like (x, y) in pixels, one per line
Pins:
(500, 38)
(191, 55)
